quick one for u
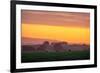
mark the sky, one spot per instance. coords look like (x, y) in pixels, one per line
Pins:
(71, 27)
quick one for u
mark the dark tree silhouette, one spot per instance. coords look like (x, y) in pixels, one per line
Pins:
(46, 43)
(58, 47)
(43, 46)
(69, 50)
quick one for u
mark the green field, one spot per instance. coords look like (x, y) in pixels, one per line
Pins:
(54, 56)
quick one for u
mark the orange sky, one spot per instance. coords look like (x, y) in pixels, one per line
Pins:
(62, 26)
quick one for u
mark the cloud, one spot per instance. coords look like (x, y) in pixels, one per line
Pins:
(54, 18)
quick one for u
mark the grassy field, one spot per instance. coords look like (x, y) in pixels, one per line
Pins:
(54, 56)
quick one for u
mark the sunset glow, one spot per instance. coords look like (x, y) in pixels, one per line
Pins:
(70, 27)
(68, 34)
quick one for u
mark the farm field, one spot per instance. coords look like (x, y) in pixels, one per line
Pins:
(54, 56)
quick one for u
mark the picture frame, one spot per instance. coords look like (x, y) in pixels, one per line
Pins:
(18, 10)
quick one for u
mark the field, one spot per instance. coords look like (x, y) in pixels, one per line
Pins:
(54, 56)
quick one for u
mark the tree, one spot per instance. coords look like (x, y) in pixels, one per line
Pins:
(46, 43)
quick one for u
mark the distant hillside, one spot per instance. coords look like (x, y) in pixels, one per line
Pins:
(31, 41)
(55, 46)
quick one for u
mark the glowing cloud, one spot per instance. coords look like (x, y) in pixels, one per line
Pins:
(68, 34)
